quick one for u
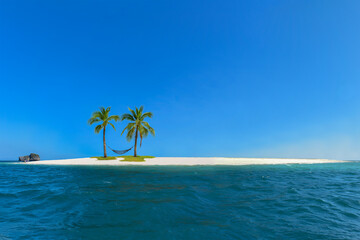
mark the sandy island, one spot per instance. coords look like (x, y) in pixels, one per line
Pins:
(185, 161)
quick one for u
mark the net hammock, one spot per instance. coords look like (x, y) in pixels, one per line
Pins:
(119, 152)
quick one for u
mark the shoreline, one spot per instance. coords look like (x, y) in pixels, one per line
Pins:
(184, 161)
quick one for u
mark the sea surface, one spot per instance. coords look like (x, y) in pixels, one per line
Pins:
(316, 201)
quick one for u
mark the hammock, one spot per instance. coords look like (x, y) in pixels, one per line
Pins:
(119, 152)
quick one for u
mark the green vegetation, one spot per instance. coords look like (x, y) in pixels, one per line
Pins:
(137, 126)
(103, 158)
(103, 116)
(134, 159)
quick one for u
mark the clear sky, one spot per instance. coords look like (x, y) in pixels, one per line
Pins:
(223, 78)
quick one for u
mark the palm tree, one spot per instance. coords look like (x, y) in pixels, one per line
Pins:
(137, 125)
(103, 117)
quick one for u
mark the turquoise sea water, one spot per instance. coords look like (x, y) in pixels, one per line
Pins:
(319, 201)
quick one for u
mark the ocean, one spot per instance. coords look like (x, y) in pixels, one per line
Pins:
(315, 201)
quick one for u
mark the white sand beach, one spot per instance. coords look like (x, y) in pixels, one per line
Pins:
(184, 161)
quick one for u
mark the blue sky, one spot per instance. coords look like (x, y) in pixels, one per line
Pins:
(223, 78)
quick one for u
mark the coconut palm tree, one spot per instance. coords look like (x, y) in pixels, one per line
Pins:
(137, 126)
(103, 117)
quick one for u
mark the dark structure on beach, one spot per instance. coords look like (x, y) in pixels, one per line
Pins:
(31, 157)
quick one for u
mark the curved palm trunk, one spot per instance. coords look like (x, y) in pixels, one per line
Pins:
(136, 136)
(105, 155)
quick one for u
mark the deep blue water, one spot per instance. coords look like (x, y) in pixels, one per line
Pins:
(319, 201)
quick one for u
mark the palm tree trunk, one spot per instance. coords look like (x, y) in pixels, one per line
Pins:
(136, 136)
(105, 155)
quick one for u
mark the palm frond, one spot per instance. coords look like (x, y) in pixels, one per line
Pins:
(112, 125)
(93, 120)
(141, 138)
(147, 114)
(152, 131)
(147, 125)
(107, 112)
(114, 117)
(98, 128)
(96, 114)
(128, 127)
(133, 113)
(141, 108)
(128, 117)
(102, 110)
(130, 134)
(144, 131)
